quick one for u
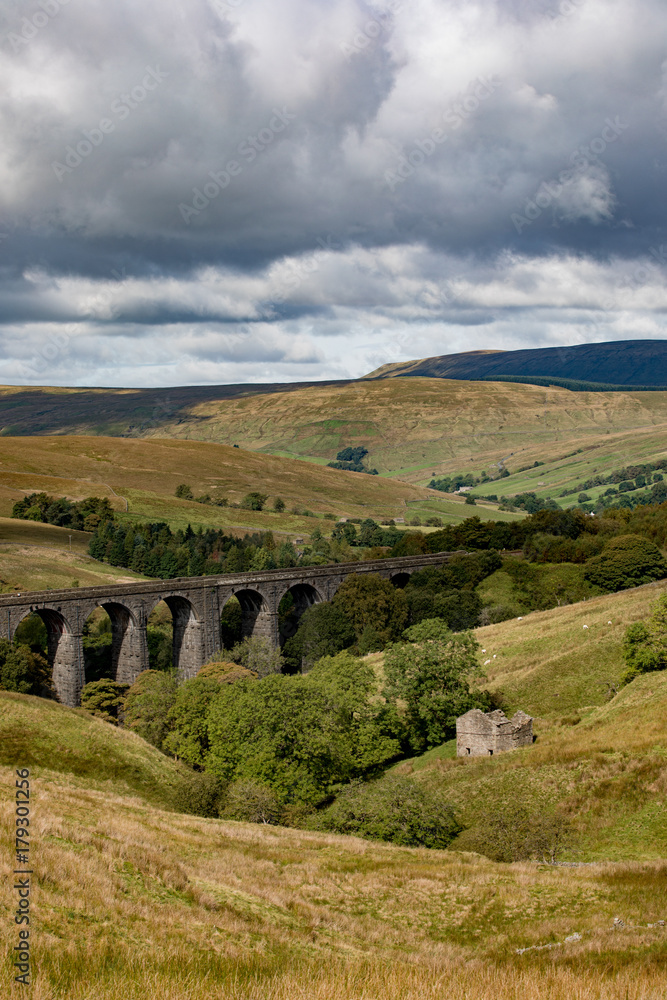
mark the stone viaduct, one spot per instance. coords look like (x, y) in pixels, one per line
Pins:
(196, 604)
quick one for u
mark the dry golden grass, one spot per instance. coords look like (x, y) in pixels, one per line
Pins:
(131, 901)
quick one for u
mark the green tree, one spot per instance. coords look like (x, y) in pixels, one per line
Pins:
(645, 643)
(323, 629)
(257, 654)
(104, 699)
(279, 505)
(254, 501)
(369, 600)
(431, 675)
(626, 561)
(23, 671)
(147, 705)
(184, 492)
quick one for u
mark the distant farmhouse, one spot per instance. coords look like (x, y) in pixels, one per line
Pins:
(483, 734)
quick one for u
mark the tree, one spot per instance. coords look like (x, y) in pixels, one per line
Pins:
(257, 654)
(23, 671)
(394, 809)
(645, 643)
(323, 629)
(184, 492)
(104, 699)
(279, 505)
(369, 600)
(254, 501)
(626, 561)
(431, 675)
(147, 705)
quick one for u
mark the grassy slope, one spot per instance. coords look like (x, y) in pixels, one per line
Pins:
(147, 472)
(413, 427)
(38, 557)
(608, 770)
(133, 901)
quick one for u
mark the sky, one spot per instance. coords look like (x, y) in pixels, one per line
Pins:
(224, 191)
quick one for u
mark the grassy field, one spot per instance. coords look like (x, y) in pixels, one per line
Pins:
(602, 761)
(413, 428)
(133, 900)
(43, 557)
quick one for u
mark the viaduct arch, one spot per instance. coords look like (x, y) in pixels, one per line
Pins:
(195, 603)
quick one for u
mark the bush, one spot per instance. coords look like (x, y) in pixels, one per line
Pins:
(394, 809)
(519, 833)
(199, 794)
(626, 561)
(251, 802)
(279, 505)
(184, 492)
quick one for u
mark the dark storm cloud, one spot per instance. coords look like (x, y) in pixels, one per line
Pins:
(341, 177)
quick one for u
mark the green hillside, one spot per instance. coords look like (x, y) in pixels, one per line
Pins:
(131, 900)
(601, 757)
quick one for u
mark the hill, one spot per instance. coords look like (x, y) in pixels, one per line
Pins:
(618, 363)
(414, 429)
(141, 477)
(138, 901)
(601, 757)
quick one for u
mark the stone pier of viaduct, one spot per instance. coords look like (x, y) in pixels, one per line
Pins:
(196, 604)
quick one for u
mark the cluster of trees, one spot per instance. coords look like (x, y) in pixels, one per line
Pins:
(23, 668)
(280, 748)
(351, 459)
(527, 501)
(631, 476)
(251, 501)
(367, 613)
(157, 551)
(82, 515)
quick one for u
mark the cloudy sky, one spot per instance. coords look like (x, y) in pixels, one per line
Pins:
(208, 191)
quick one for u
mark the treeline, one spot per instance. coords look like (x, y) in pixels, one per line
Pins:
(81, 515)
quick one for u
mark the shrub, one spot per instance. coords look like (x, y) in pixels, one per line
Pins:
(394, 809)
(279, 505)
(251, 802)
(199, 794)
(519, 833)
(184, 492)
(626, 561)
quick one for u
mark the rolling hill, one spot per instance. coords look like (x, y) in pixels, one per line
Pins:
(619, 363)
(136, 900)
(414, 428)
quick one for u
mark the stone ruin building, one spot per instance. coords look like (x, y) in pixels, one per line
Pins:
(485, 733)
